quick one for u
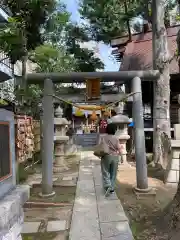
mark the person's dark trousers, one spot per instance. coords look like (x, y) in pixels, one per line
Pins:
(109, 167)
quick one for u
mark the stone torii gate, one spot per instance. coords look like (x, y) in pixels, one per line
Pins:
(48, 117)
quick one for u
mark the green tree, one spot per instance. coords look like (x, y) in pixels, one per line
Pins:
(107, 18)
(61, 33)
(22, 33)
(86, 61)
(51, 58)
(111, 18)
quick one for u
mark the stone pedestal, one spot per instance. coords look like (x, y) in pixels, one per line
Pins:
(59, 154)
(12, 197)
(60, 140)
(173, 168)
(172, 171)
(11, 211)
(123, 136)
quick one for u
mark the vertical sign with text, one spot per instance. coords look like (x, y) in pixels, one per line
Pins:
(93, 88)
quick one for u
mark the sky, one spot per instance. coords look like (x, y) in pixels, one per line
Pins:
(104, 51)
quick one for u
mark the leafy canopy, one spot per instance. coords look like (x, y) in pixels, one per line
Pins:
(23, 32)
(51, 58)
(109, 18)
(68, 37)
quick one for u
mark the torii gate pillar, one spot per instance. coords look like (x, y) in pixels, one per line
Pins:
(47, 148)
(140, 149)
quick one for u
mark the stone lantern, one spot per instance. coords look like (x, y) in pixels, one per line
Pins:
(60, 140)
(121, 121)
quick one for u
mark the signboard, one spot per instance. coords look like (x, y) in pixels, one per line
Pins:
(5, 161)
(93, 88)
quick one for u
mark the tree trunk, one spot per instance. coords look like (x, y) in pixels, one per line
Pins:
(23, 85)
(161, 59)
(128, 23)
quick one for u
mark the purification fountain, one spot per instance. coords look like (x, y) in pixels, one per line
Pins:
(60, 140)
(122, 122)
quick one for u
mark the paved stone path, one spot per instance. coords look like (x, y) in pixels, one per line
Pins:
(94, 216)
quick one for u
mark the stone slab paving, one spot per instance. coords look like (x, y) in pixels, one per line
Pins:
(30, 227)
(67, 178)
(52, 226)
(55, 226)
(94, 216)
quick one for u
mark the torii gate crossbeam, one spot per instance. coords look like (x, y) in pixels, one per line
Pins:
(81, 77)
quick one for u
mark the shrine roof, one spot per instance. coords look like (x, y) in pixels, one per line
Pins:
(138, 53)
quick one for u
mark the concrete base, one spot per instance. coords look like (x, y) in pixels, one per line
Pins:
(47, 195)
(173, 168)
(172, 171)
(172, 185)
(144, 193)
(11, 212)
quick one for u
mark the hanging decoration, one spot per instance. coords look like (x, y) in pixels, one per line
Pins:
(94, 116)
(106, 113)
(79, 113)
(86, 114)
(94, 108)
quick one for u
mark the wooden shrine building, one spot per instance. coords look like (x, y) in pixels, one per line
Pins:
(137, 55)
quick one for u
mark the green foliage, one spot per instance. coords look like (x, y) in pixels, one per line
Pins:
(67, 38)
(86, 61)
(23, 32)
(11, 39)
(55, 28)
(108, 18)
(34, 14)
(50, 58)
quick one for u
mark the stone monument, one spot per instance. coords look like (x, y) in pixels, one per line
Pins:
(60, 140)
(122, 132)
(12, 197)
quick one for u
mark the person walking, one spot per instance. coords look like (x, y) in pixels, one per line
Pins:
(110, 161)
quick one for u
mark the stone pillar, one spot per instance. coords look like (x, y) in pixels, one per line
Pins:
(47, 139)
(60, 139)
(12, 197)
(173, 168)
(140, 150)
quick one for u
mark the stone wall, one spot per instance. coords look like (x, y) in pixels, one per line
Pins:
(12, 197)
(11, 213)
